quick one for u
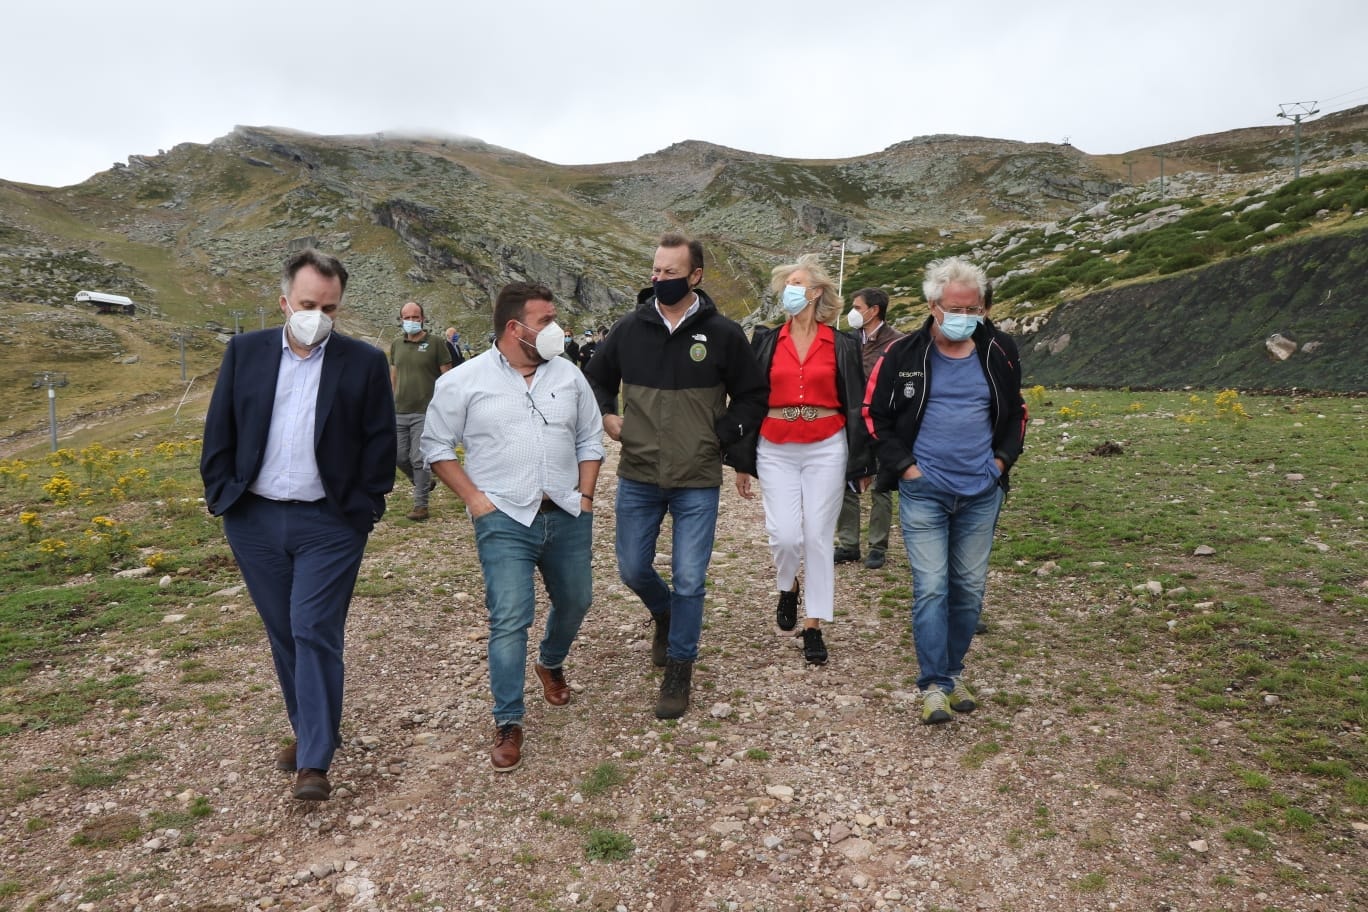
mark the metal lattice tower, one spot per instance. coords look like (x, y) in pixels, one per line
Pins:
(1295, 111)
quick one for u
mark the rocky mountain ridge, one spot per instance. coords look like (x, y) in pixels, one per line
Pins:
(195, 234)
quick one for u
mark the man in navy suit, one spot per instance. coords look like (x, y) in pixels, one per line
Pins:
(299, 449)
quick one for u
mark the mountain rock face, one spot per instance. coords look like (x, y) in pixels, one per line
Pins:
(449, 221)
(199, 231)
(1295, 315)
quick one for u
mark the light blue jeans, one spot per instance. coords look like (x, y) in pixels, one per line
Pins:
(949, 538)
(558, 545)
(641, 508)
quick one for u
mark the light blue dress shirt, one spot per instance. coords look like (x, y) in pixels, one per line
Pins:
(289, 470)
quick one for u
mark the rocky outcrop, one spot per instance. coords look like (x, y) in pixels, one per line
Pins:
(1294, 315)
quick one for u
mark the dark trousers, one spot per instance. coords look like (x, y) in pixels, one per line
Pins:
(299, 562)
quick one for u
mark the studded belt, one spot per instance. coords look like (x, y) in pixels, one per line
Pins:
(805, 412)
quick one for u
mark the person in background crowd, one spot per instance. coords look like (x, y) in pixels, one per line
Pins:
(533, 443)
(868, 326)
(453, 341)
(416, 361)
(586, 349)
(945, 407)
(299, 448)
(690, 386)
(809, 445)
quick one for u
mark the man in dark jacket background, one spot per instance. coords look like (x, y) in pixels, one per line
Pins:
(690, 387)
(868, 326)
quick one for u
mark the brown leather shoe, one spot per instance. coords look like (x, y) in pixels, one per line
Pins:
(285, 757)
(556, 691)
(312, 785)
(507, 753)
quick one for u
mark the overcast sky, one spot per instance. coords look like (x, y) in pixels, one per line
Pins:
(84, 84)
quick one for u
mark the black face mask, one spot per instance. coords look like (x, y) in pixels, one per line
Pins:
(670, 292)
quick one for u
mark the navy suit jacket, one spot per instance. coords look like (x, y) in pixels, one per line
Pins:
(354, 431)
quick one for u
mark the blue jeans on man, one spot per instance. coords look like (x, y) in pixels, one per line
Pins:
(558, 545)
(948, 538)
(641, 508)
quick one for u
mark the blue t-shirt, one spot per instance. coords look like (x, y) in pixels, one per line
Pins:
(954, 447)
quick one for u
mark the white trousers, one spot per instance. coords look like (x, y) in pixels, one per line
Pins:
(801, 485)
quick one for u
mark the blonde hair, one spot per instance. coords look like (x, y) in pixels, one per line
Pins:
(828, 302)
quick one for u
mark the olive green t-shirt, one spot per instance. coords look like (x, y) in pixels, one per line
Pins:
(417, 365)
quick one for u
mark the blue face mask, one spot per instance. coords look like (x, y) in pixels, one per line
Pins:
(412, 327)
(958, 327)
(794, 299)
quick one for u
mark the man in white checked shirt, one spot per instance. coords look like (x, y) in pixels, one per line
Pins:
(533, 446)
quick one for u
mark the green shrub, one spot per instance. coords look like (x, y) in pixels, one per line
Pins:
(1260, 219)
(607, 845)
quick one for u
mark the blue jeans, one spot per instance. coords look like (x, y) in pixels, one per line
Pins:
(641, 508)
(558, 545)
(948, 539)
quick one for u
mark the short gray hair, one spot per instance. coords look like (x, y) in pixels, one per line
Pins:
(952, 271)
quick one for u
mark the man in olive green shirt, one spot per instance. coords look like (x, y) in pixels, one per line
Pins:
(416, 361)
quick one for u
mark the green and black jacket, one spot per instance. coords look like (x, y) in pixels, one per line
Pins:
(685, 395)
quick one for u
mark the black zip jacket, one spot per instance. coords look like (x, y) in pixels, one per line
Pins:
(685, 395)
(850, 387)
(895, 399)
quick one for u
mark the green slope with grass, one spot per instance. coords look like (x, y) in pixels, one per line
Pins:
(1209, 327)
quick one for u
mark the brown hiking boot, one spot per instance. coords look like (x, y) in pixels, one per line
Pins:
(418, 514)
(507, 753)
(554, 688)
(285, 757)
(312, 785)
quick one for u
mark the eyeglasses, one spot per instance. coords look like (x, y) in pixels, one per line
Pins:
(532, 402)
(964, 311)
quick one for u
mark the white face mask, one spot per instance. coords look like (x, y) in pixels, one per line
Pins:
(309, 327)
(550, 340)
(855, 318)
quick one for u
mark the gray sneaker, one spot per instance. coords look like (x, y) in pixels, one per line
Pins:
(962, 698)
(934, 709)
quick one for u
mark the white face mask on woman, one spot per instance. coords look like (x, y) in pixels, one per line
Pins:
(309, 327)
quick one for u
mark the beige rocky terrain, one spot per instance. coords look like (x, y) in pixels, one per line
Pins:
(786, 787)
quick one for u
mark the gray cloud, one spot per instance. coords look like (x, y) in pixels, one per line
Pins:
(90, 83)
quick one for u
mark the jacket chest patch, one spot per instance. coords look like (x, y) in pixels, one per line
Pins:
(909, 390)
(698, 351)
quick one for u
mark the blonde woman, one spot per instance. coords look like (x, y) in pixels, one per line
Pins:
(810, 444)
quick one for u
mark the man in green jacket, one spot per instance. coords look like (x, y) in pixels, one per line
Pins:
(690, 387)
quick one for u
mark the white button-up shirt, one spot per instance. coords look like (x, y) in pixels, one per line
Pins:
(521, 443)
(289, 468)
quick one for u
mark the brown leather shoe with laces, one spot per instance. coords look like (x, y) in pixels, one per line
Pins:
(507, 753)
(312, 785)
(554, 688)
(285, 757)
